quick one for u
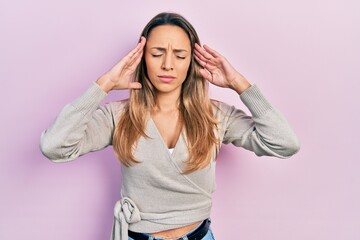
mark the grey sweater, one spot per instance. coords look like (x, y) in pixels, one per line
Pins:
(155, 196)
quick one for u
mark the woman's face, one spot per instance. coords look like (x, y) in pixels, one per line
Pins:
(167, 57)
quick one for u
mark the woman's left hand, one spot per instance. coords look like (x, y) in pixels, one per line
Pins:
(218, 70)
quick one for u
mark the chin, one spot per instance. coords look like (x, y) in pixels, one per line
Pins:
(166, 88)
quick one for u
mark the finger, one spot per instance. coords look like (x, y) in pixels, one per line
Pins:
(205, 63)
(206, 75)
(199, 55)
(200, 61)
(138, 50)
(142, 41)
(135, 85)
(139, 47)
(133, 54)
(135, 58)
(200, 51)
(211, 51)
(127, 59)
(200, 58)
(203, 52)
(134, 51)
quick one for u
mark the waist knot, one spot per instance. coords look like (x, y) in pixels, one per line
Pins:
(125, 212)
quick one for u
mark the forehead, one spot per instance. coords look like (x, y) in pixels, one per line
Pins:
(168, 35)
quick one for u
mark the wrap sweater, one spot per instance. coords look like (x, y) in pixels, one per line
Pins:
(155, 195)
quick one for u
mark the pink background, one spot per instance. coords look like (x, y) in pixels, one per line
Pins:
(304, 55)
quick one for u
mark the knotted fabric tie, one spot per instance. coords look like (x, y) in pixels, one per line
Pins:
(125, 212)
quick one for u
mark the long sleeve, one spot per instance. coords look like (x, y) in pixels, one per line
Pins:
(82, 126)
(266, 132)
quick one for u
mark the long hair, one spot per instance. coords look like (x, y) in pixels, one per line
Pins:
(196, 109)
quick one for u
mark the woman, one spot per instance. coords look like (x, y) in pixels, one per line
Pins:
(168, 133)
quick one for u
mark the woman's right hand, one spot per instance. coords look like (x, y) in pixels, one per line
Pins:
(121, 75)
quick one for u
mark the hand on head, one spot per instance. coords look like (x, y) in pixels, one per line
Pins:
(121, 75)
(217, 69)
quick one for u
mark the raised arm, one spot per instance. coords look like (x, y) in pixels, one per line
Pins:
(83, 125)
(266, 132)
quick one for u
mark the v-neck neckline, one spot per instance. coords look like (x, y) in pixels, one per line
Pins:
(162, 139)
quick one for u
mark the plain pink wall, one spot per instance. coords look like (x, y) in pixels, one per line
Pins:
(304, 55)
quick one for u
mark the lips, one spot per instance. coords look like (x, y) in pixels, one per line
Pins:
(166, 78)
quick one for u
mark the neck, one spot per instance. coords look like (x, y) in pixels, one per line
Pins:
(167, 102)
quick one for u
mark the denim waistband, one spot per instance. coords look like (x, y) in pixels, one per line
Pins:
(154, 238)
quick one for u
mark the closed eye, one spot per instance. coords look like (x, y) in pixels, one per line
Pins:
(159, 55)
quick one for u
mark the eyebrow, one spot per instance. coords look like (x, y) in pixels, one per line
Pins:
(164, 49)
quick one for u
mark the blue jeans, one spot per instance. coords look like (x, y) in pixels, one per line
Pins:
(208, 236)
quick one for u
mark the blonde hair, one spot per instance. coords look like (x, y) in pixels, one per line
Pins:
(196, 109)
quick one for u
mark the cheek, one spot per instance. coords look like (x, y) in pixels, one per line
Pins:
(150, 66)
(183, 68)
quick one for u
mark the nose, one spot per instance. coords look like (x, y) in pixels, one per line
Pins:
(167, 64)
